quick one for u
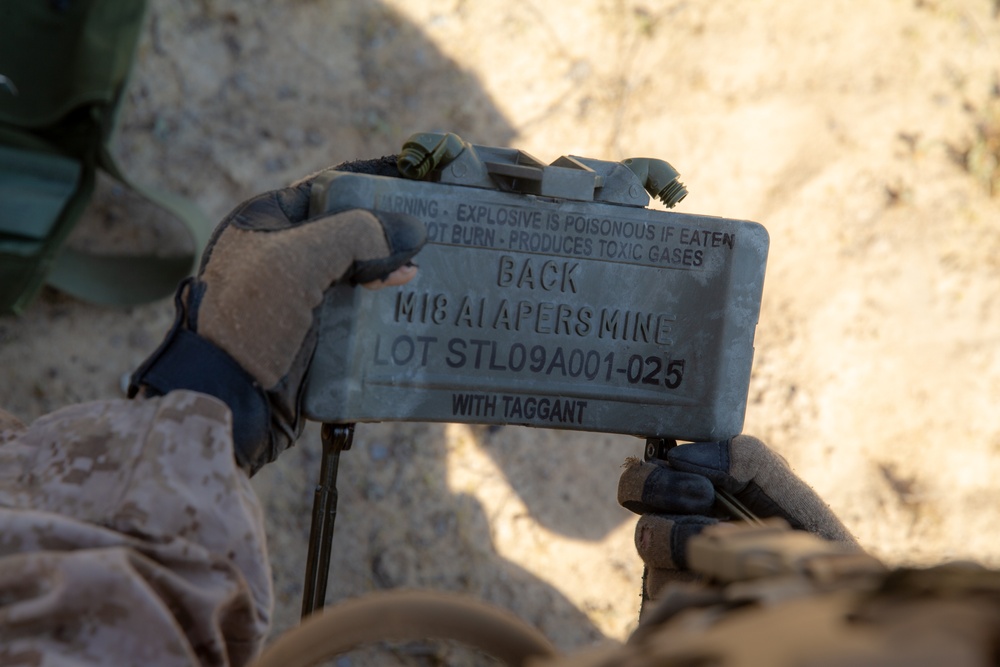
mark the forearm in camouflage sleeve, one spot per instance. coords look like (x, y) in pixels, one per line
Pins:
(129, 536)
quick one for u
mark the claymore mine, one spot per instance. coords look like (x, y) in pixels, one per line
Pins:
(548, 296)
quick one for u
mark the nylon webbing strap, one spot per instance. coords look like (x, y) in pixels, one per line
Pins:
(127, 280)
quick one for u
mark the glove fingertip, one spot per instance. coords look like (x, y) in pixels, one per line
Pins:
(403, 232)
(405, 236)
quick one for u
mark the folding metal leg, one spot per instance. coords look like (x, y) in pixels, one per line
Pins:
(336, 438)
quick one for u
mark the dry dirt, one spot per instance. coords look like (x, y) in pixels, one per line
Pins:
(860, 134)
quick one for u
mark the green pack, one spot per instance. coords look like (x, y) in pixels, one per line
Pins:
(64, 65)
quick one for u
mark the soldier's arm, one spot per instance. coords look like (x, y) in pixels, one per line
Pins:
(128, 530)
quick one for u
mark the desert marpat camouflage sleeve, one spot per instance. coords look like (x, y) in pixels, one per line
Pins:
(128, 536)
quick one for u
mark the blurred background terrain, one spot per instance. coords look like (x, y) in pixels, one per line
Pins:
(864, 136)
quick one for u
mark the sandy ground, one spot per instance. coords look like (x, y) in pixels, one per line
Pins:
(860, 134)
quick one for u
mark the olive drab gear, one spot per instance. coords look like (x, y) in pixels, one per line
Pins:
(64, 65)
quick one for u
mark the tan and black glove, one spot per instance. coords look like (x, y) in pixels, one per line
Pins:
(246, 325)
(676, 499)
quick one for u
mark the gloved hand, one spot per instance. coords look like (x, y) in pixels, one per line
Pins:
(676, 499)
(246, 325)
